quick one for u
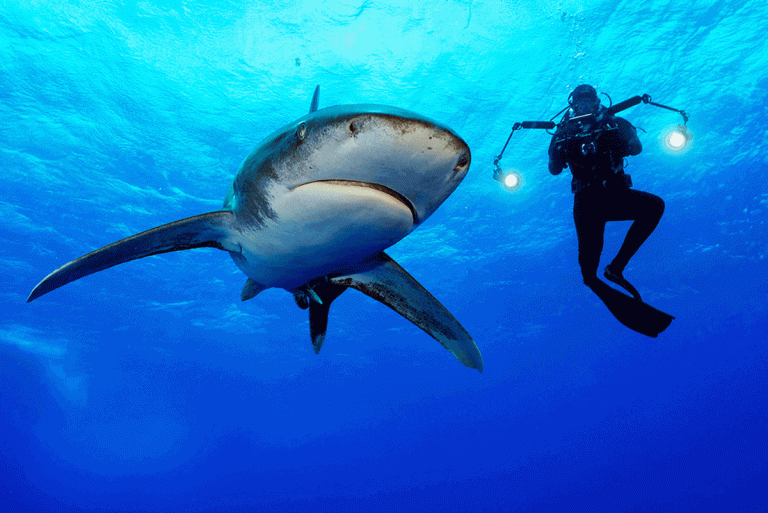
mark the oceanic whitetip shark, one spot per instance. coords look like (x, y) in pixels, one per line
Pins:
(312, 209)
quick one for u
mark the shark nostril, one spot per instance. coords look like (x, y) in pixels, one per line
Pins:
(463, 161)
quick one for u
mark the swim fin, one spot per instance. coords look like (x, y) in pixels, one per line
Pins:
(619, 280)
(631, 312)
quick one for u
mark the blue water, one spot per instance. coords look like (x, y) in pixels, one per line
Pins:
(150, 387)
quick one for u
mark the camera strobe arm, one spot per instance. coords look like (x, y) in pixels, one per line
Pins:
(546, 125)
(646, 98)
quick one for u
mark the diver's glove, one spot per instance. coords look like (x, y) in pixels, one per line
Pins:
(558, 158)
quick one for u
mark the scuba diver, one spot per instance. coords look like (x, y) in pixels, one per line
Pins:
(593, 144)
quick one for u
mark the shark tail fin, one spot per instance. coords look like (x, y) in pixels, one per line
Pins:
(315, 100)
(203, 231)
(387, 282)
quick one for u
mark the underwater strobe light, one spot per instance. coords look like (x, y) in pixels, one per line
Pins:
(678, 138)
(511, 179)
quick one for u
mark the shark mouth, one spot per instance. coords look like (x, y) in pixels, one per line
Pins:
(381, 188)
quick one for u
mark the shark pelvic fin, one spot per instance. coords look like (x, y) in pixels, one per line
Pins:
(251, 290)
(387, 282)
(203, 231)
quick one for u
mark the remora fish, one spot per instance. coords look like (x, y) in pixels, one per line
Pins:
(312, 209)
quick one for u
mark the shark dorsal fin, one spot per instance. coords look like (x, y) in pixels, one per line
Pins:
(315, 100)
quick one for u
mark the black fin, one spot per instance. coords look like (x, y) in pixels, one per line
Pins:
(622, 282)
(315, 100)
(318, 312)
(631, 312)
(302, 301)
(387, 282)
(251, 290)
(203, 231)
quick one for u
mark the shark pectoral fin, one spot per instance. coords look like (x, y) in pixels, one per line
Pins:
(251, 290)
(204, 231)
(390, 284)
(318, 311)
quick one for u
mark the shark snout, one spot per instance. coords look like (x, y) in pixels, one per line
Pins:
(417, 160)
(429, 161)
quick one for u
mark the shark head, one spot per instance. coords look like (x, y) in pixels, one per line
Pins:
(338, 186)
(411, 158)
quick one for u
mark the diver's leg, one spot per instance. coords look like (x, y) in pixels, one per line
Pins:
(590, 227)
(646, 210)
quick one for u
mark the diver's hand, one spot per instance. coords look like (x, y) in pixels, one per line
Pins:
(555, 168)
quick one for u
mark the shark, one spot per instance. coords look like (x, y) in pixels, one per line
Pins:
(312, 209)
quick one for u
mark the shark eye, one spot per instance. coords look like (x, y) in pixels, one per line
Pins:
(301, 132)
(353, 127)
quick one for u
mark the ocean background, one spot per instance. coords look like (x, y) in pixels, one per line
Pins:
(150, 387)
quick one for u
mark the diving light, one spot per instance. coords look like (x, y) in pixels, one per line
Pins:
(511, 179)
(677, 139)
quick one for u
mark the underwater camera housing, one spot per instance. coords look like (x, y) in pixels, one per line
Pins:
(585, 130)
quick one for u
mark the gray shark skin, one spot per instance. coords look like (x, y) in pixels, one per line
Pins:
(312, 209)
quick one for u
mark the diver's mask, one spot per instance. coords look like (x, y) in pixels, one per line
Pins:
(583, 100)
(584, 105)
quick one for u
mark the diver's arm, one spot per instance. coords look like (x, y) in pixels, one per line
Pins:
(557, 160)
(629, 134)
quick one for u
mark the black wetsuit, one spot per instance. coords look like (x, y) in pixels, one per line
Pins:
(602, 190)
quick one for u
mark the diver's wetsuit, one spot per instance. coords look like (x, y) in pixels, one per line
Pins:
(602, 190)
